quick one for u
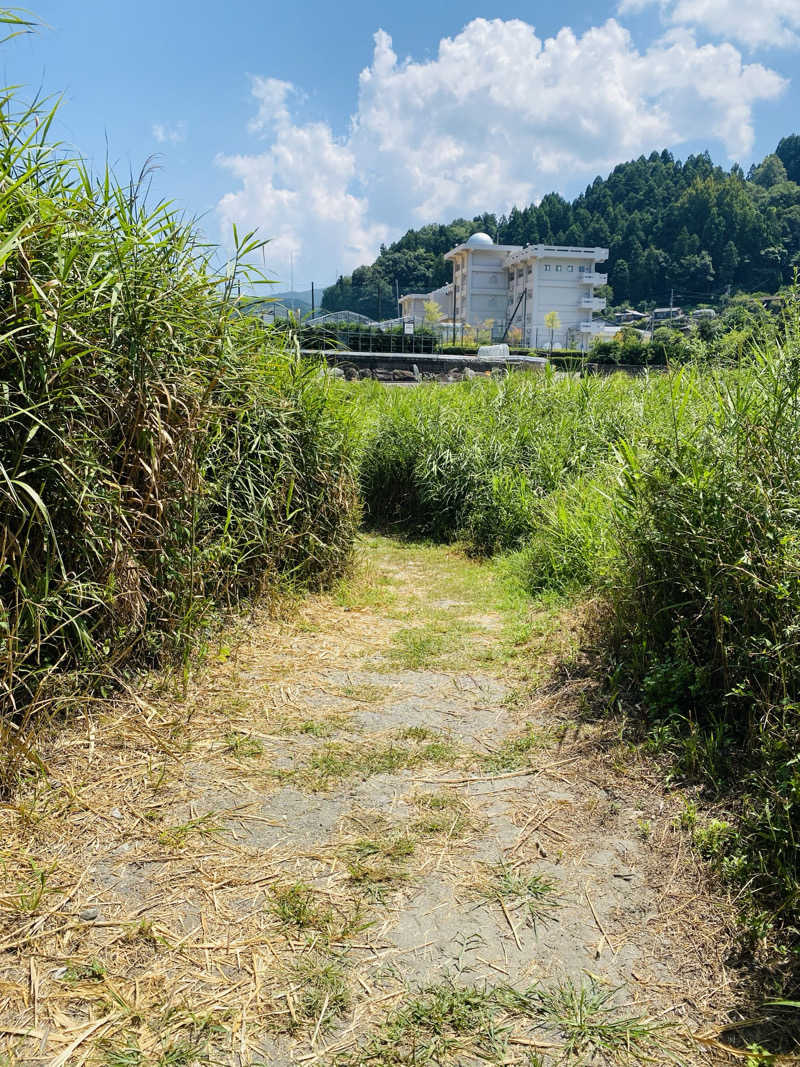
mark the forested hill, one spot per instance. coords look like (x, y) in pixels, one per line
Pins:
(691, 226)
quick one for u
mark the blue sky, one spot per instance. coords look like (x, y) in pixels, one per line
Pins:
(334, 127)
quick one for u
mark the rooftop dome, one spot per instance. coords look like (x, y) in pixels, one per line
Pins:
(480, 240)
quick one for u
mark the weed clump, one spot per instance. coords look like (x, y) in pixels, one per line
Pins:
(163, 454)
(706, 606)
(475, 461)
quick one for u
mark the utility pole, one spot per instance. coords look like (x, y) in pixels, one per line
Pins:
(312, 300)
(454, 312)
(671, 299)
(397, 296)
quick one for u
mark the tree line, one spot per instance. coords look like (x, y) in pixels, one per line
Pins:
(689, 226)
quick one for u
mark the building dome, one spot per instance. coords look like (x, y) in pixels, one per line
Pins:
(480, 240)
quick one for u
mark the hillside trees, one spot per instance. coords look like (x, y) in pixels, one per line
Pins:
(686, 225)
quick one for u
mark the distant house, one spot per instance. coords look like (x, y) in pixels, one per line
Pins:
(699, 314)
(629, 316)
(516, 287)
(662, 315)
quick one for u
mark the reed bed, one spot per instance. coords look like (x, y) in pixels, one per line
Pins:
(162, 455)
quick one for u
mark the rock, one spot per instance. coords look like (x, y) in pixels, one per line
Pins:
(88, 915)
(115, 813)
(493, 352)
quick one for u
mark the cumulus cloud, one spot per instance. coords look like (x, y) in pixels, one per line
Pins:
(498, 117)
(298, 194)
(272, 95)
(768, 23)
(169, 133)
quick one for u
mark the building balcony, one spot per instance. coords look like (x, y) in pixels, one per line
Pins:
(593, 278)
(585, 327)
(592, 303)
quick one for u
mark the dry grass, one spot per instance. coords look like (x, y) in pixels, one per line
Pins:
(168, 899)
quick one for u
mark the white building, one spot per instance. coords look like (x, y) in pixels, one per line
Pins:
(412, 305)
(515, 287)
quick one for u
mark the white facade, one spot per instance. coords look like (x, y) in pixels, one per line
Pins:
(509, 285)
(412, 305)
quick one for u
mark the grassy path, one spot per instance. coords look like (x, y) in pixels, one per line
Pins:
(381, 829)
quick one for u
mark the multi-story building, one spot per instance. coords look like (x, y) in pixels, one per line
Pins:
(514, 286)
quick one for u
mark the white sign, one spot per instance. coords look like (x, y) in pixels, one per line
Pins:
(408, 327)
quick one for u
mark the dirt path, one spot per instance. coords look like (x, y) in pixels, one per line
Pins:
(376, 831)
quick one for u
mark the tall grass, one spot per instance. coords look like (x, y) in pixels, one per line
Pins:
(161, 454)
(707, 603)
(478, 461)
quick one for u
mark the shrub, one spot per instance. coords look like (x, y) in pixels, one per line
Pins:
(709, 598)
(474, 460)
(161, 454)
(571, 546)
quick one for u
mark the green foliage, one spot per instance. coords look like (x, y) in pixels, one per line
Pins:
(162, 455)
(709, 596)
(669, 224)
(479, 460)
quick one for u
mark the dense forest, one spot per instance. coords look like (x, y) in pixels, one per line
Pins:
(691, 227)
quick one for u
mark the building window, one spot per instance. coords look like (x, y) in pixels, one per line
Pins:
(547, 266)
(558, 267)
(570, 268)
(581, 270)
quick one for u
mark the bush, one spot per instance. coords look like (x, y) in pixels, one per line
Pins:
(571, 547)
(161, 454)
(708, 602)
(627, 348)
(474, 460)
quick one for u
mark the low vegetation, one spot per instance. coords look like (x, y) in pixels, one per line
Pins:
(571, 1023)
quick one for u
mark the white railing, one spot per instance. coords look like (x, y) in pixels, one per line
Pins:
(593, 278)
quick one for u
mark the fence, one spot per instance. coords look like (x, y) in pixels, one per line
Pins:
(349, 330)
(538, 338)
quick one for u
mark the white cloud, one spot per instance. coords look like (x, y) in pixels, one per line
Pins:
(298, 194)
(498, 117)
(271, 94)
(767, 23)
(166, 133)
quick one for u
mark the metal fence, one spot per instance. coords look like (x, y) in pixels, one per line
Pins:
(353, 331)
